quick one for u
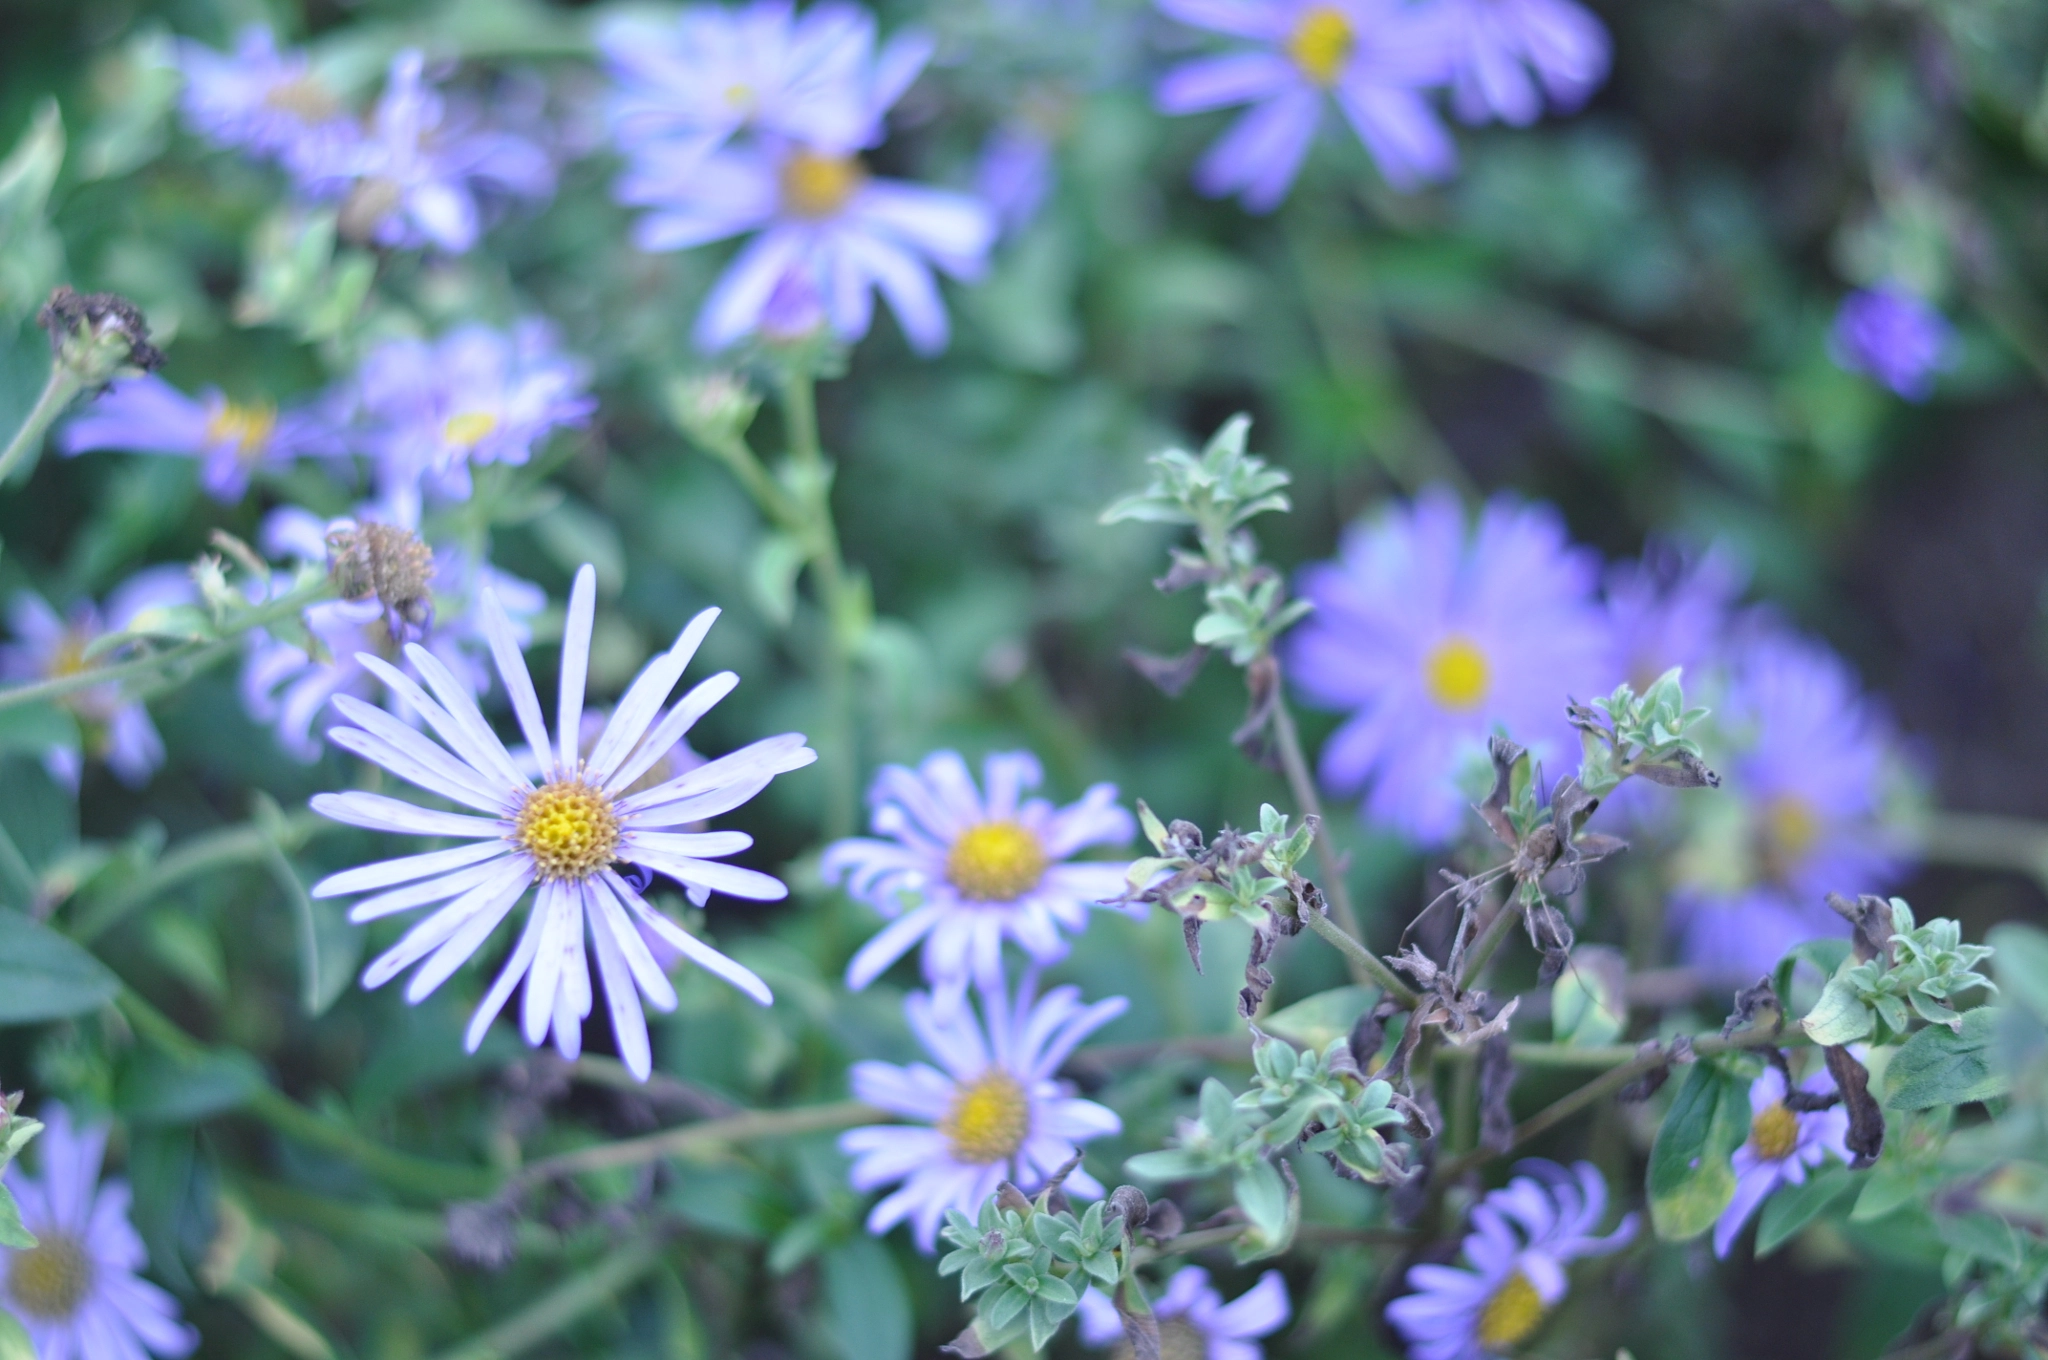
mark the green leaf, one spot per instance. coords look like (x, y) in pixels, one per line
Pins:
(867, 1308)
(32, 729)
(1839, 1017)
(44, 976)
(2020, 964)
(1690, 1181)
(14, 1342)
(1317, 1020)
(156, 1088)
(1587, 1006)
(1939, 1066)
(1826, 955)
(1795, 1206)
(12, 1233)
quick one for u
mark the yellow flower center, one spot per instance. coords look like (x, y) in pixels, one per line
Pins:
(467, 429)
(1321, 43)
(815, 185)
(988, 1118)
(1456, 674)
(1791, 825)
(1511, 1314)
(50, 1279)
(246, 427)
(739, 95)
(1774, 1133)
(995, 862)
(569, 828)
(69, 658)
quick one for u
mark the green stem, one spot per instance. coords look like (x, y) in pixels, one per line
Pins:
(1978, 840)
(562, 1305)
(1481, 952)
(380, 1225)
(17, 880)
(700, 1137)
(1365, 965)
(58, 391)
(209, 852)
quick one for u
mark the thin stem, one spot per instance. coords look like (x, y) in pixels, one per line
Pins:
(562, 1305)
(381, 1225)
(702, 1137)
(1979, 840)
(202, 854)
(57, 393)
(1497, 929)
(1204, 1238)
(1365, 965)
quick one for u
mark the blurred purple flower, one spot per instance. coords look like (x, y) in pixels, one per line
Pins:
(1670, 608)
(1783, 1145)
(476, 395)
(1798, 813)
(1506, 47)
(113, 728)
(1434, 637)
(1015, 173)
(1191, 1313)
(1894, 336)
(230, 439)
(266, 102)
(1374, 57)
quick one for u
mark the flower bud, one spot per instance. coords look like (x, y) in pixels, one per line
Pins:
(713, 408)
(98, 337)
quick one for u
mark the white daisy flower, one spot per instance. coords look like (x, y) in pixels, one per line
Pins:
(569, 832)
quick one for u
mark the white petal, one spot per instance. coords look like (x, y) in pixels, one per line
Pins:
(690, 947)
(538, 1007)
(670, 730)
(770, 755)
(467, 731)
(725, 878)
(508, 978)
(629, 1022)
(378, 813)
(518, 680)
(644, 699)
(404, 869)
(419, 773)
(429, 934)
(421, 893)
(576, 663)
(466, 941)
(695, 844)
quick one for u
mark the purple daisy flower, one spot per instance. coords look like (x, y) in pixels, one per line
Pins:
(230, 439)
(1015, 173)
(264, 101)
(1194, 1321)
(114, 728)
(1670, 608)
(477, 395)
(1894, 336)
(1435, 637)
(994, 1114)
(1507, 49)
(1784, 1144)
(821, 217)
(1524, 1235)
(1374, 57)
(79, 1291)
(1798, 814)
(961, 872)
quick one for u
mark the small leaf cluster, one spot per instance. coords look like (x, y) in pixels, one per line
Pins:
(1028, 1264)
(1629, 734)
(1919, 973)
(1251, 877)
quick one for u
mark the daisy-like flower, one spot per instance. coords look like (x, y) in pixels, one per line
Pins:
(821, 217)
(1670, 608)
(567, 833)
(1434, 638)
(476, 395)
(1194, 1321)
(961, 872)
(1891, 334)
(1784, 1144)
(994, 1114)
(114, 728)
(266, 102)
(78, 1292)
(1524, 1235)
(1512, 54)
(1800, 810)
(1374, 57)
(229, 438)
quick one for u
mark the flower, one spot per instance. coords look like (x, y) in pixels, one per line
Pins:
(1799, 814)
(78, 1292)
(823, 220)
(565, 833)
(1374, 57)
(1670, 608)
(1434, 638)
(1523, 1236)
(1783, 1144)
(285, 686)
(114, 728)
(1501, 43)
(1894, 336)
(689, 86)
(230, 439)
(476, 395)
(267, 102)
(961, 872)
(1194, 1321)
(994, 1114)
(416, 175)
(1015, 173)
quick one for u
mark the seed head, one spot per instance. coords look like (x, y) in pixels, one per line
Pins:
(390, 563)
(97, 336)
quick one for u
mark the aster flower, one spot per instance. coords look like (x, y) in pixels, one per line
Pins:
(430, 409)
(567, 833)
(1015, 173)
(1784, 1144)
(287, 688)
(1374, 57)
(962, 872)
(1434, 638)
(1670, 608)
(1799, 813)
(79, 1292)
(114, 728)
(230, 439)
(1524, 1235)
(1894, 336)
(994, 1114)
(267, 102)
(1506, 49)
(1194, 1321)
(821, 218)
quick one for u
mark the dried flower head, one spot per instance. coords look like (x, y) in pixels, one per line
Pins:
(97, 336)
(389, 562)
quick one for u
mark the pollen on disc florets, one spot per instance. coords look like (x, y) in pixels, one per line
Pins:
(50, 1279)
(995, 862)
(988, 1119)
(1774, 1133)
(569, 827)
(1515, 1311)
